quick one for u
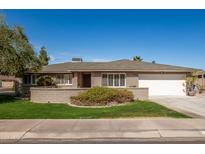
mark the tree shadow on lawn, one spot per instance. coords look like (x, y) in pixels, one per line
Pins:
(7, 99)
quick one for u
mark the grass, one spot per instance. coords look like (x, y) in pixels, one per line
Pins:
(11, 108)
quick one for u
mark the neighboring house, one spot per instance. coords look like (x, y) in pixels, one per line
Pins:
(200, 75)
(160, 79)
(6, 82)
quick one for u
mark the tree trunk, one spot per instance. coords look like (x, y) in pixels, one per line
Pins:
(18, 86)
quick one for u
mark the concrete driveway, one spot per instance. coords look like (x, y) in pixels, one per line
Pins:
(193, 106)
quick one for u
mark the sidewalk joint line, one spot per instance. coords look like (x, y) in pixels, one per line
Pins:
(29, 130)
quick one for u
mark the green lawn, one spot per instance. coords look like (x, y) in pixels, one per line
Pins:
(11, 108)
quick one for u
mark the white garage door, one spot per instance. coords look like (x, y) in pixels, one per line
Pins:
(163, 84)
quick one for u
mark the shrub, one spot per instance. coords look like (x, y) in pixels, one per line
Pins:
(45, 81)
(100, 96)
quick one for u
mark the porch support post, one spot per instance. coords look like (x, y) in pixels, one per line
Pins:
(75, 80)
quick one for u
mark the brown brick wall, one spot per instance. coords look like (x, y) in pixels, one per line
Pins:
(201, 82)
(132, 79)
(53, 95)
(96, 79)
(75, 80)
(60, 95)
(140, 93)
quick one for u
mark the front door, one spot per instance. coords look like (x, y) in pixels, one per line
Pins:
(86, 80)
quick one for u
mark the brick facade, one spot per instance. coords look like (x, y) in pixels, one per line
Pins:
(62, 95)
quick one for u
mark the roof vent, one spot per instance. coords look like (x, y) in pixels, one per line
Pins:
(77, 59)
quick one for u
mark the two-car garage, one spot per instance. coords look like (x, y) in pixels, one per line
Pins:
(163, 84)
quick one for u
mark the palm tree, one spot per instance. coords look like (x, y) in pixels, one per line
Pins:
(153, 62)
(137, 58)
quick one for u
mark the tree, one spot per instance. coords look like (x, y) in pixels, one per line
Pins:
(137, 58)
(190, 82)
(153, 62)
(43, 57)
(16, 53)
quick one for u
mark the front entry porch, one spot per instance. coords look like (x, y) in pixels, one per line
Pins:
(86, 77)
(84, 80)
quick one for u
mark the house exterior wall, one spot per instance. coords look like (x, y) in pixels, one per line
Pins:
(96, 79)
(75, 81)
(79, 80)
(7, 84)
(7, 81)
(200, 80)
(132, 79)
(140, 93)
(203, 82)
(53, 95)
(62, 95)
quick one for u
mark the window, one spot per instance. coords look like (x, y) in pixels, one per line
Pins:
(122, 79)
(116, 80)
(104, 79)
(110, 79)
(30, 79)
(64, 79)
(113, 80)
(199, 76)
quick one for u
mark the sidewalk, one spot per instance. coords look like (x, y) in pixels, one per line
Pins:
(144, 129)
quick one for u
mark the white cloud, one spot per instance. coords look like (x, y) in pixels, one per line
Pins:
(52, 58)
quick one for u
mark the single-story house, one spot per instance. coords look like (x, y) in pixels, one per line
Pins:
(7, 82)
(200, 76)
(159, 79)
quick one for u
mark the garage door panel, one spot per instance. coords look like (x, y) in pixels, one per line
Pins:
(159, 84)
(162, 76)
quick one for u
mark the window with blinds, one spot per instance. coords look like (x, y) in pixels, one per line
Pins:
(113, 79)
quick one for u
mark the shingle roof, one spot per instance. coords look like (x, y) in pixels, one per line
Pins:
(119, 65)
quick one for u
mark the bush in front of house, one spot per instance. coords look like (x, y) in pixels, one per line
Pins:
(101, 96)
(45, 81)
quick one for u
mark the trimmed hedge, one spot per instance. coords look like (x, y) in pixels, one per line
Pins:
(101, 96)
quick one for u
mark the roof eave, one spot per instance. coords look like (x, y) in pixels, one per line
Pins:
(182, 71)
(111, 70)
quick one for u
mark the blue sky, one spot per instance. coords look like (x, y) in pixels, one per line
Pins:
(167, 36)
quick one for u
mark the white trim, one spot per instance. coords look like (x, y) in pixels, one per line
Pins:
(114, 80)
(139, 71)
(64, 84)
